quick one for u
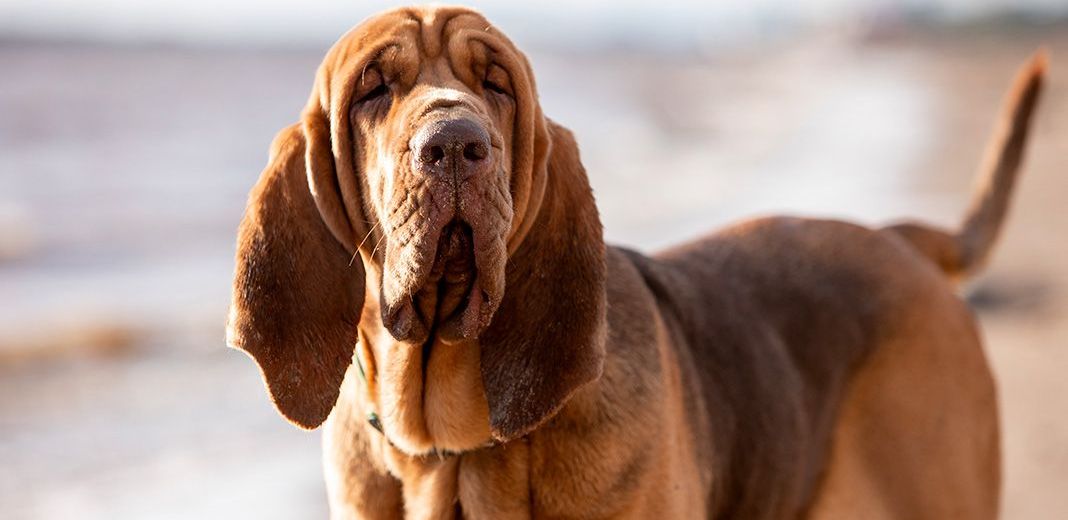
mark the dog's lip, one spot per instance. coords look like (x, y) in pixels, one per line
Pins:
(437, 299)
(458, 271)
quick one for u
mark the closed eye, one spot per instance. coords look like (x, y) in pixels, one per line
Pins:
(489, 85)
(375, 93)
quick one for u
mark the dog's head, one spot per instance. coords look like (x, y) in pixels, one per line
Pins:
(423, 175)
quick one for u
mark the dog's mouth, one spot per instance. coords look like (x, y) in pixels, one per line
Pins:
(451, 301)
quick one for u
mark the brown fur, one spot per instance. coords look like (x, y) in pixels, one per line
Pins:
(778, 368)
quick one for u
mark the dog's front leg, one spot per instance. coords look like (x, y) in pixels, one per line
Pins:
(358, 482)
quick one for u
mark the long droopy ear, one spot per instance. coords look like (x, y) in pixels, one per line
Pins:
(547, 338)
(298, 291)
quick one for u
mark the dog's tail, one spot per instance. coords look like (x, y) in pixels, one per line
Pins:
(964, 252)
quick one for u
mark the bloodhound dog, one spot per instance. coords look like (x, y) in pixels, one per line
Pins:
(421, 267)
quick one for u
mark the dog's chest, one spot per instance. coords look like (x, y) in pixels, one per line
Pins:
(488, 483)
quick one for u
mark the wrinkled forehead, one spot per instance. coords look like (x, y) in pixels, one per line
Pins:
(421, 44)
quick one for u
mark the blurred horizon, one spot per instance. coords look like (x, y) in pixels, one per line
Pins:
(548, 24)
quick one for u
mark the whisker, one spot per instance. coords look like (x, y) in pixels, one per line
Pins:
(365, 237)
(375, 250)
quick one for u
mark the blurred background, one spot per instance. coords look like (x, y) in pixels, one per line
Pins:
(130, 133)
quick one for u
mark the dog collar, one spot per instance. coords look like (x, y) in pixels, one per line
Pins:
(372, 416)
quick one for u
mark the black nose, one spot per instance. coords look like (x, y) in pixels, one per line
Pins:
(452, 146)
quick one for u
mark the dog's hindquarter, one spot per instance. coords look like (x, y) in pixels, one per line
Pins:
(777, 317)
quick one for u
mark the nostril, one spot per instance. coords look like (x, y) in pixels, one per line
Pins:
(432, 154)
(437, 153)
(475, 151)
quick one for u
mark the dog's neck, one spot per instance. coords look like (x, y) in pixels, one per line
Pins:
(425, 398)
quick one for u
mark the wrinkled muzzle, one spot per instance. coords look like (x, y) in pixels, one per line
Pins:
(450, 211)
